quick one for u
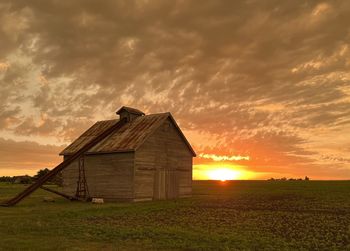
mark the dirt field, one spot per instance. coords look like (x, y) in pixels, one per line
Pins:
(236, 215)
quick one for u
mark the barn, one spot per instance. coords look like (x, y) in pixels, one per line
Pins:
(146, 158)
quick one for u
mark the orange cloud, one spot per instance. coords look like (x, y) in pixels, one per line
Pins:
(223, 157)
(4, 66)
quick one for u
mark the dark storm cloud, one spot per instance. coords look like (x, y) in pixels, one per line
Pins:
(262, 75)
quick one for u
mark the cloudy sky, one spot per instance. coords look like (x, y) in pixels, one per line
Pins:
(265, 80)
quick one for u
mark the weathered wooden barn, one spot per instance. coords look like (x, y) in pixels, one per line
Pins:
(147, 158)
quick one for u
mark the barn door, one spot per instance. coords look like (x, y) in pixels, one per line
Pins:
(159, 185)
(171, 184)
(165, 184)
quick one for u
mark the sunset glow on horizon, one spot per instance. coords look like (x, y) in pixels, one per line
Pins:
(221, 172)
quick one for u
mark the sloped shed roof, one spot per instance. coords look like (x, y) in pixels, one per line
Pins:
(126, 139)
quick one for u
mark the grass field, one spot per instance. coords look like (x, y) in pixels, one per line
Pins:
(235, 215)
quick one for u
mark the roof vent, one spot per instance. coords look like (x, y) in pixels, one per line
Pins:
(129, 113)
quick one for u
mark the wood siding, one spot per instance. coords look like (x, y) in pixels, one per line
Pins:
(109, 176)
(70, 177)
(163, 165)
(161, 168)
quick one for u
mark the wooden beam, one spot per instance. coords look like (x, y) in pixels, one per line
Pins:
(41, 181)
(68, 197)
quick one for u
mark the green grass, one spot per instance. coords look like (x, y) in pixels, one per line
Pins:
(237, 215)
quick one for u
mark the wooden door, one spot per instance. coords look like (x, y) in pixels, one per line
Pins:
(165, 184)
(159, 191)
(171, 184)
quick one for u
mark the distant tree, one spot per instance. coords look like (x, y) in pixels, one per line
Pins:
(25, 179)
(287, 179)
(41, 173)
(6, 179)
(57, 179)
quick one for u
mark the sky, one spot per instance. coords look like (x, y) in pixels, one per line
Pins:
(260, 88)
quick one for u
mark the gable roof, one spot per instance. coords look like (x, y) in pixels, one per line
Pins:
(126, 139)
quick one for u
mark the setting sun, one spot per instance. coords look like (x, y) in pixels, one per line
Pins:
(224, 174)
(221, 171)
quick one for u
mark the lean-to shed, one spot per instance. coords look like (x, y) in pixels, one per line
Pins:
(146, 158)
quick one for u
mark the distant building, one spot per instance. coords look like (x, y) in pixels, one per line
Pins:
(147, 158)
(22, 179)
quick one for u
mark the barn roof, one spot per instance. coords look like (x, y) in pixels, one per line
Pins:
(126, 139)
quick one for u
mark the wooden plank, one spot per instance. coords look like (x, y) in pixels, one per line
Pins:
(143, 186)
(109, 176)
(167, 154)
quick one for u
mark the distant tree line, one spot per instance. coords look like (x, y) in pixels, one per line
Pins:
(6, 179)
(26, 179)
(290, 179)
